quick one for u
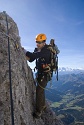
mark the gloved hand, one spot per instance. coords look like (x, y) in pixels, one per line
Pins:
(24, 50)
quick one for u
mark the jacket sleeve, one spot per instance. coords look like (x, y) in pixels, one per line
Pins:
(33, 55)
(36, 55)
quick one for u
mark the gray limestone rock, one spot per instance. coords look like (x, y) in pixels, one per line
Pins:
(23, 88)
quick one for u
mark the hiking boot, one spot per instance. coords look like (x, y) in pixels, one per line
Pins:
(37, 114)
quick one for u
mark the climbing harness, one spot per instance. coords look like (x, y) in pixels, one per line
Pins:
(11, 98)
(37, 83)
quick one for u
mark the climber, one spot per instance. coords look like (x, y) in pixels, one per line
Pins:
(42, 56)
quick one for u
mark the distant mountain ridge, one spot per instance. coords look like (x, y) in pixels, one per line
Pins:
(67, 70)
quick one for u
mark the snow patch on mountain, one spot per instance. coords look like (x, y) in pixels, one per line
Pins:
(70, 70)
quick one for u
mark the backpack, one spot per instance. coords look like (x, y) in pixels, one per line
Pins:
(53, 60)
(53, 66)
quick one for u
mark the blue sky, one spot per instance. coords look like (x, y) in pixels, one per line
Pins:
(62, 20)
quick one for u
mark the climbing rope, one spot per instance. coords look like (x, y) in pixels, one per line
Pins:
(10, 37)
(47, 88)
(11, 98)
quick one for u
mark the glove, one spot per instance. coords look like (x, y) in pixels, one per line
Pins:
(24, 50)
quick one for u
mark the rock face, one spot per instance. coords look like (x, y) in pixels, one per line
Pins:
(23, 88)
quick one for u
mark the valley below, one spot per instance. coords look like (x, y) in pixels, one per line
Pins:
(66, 97)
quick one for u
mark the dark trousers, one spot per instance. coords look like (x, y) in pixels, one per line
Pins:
(40, 92)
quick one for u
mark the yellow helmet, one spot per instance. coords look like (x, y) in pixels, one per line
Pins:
(40, 37)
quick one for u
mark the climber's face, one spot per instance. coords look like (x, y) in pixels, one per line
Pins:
(40, 45)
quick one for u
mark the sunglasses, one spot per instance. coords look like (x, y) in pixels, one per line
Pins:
(39, 42)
